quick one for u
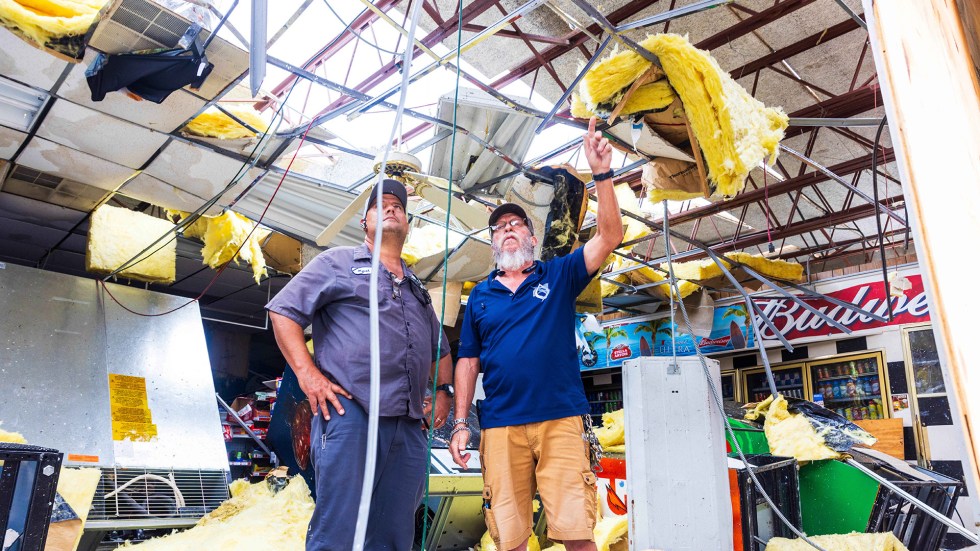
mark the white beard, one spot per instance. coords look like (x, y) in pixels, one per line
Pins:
(511, 261)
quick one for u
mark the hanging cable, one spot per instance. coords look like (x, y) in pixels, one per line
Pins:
(445, 275)
(374, 401)
(881, 236)
(674, 291)
(765, 185)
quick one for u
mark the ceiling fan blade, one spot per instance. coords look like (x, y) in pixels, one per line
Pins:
(337, 225)
(433, 190)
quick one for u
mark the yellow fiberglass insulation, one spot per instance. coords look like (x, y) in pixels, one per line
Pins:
(487, 543)
(840, 542)
(256, 519)
(736, 131)
(610, 535)
(213, 123)
(12, 437)
(654, 96)
(613, 429)
(117, 235)
(645, 275)
(790, 434)
(426, 241)
(44, 21)
(223, 235)
(700, 270)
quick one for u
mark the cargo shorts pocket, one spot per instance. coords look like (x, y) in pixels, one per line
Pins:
(488, 515)
(592, 503)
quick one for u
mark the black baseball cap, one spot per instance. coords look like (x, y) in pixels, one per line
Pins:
(510, 208)
(390, 187)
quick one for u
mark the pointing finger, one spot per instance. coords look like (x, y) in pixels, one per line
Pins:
(592, 126)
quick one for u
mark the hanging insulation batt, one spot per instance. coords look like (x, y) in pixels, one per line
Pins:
(54, 24)
(705, 269)
(117, 234)
(223, 235)
(846, 542)
(613, 429)
(213, 123)
(426, 241)
(654, 96)
(12, 437)
(790, 434)
(254, 518)
(736, 131)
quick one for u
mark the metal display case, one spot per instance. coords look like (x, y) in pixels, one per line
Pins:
(790, 378)
(854, 386)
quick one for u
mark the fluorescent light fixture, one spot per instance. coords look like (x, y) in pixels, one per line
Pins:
(19, 105)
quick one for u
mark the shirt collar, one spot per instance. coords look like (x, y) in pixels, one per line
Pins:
(536, 267)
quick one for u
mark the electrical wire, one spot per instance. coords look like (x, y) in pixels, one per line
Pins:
(445, 272)
(253, 158)
(374, 400)
(674, 291)
(355, 33)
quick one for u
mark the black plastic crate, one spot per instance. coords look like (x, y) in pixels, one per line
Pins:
(779, 477)
(910, 524)
(28, 483)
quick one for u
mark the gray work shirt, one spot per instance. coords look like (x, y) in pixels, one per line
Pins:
(332, 294)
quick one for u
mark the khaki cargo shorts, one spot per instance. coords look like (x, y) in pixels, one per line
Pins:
(550, 457)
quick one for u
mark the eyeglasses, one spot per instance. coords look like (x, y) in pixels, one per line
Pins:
(513, 222)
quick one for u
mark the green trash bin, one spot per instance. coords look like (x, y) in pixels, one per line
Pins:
(835, 498)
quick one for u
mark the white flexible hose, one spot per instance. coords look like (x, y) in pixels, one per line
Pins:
(371, 457)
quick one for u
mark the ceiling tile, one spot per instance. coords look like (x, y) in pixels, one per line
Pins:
(98, 134)
(10, 141)
(164, 117)
(199, 171)
(68, 163)
(27, 64)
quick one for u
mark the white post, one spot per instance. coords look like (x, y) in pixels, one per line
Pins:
(676, 463)
(932, 99)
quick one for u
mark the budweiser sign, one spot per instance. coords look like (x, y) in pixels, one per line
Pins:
(796, 322)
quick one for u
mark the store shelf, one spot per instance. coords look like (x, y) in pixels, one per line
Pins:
(240, 463)
(603, 401)
(840, 377)
(854, 398)
(766, 388)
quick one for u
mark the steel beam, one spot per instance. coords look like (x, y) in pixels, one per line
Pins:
(752, 23)
(795, 48)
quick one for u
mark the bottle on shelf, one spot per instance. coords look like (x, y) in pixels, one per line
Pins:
(875, 386)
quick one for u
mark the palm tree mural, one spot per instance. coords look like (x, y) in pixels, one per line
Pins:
(741, 319)
(662, 326)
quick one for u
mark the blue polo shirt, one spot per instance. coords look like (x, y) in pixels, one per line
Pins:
(526, 344)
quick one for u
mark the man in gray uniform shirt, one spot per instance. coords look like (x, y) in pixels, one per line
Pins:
(331, 293)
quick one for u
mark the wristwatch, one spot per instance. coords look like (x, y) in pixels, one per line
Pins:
(447, 388)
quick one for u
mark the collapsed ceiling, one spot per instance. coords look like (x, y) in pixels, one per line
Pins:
(808, 56)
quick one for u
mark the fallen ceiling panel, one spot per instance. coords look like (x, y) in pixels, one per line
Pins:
(301, 208)
(112, 139)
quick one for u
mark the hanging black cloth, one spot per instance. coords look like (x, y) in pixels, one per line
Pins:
(151, 76)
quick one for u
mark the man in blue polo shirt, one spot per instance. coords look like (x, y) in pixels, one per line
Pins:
(519, 330)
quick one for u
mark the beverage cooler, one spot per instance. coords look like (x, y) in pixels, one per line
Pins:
(853, 386)
(790, 381)
(728, 385)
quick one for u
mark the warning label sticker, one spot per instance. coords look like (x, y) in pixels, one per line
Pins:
(131, 416)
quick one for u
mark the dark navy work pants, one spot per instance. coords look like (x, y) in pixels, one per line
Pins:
(337, 449)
